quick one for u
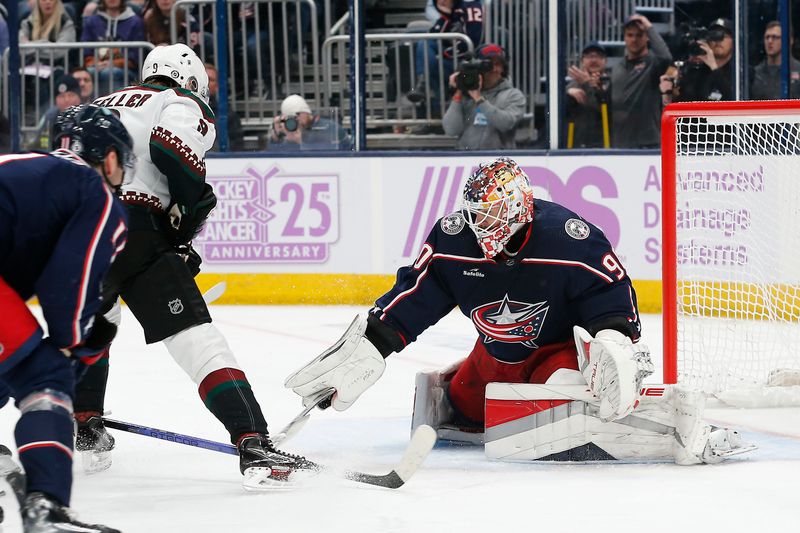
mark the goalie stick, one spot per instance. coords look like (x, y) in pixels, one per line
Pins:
(215, 293)
(419, 446)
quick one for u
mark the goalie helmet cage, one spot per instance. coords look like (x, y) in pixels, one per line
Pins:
(731, 248)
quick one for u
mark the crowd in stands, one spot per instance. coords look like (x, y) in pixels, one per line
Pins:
(611, 104)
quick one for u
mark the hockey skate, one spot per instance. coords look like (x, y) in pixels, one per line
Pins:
(264, 467)
(40, 514)
(7, 464)
(697, 442)
(93, 442)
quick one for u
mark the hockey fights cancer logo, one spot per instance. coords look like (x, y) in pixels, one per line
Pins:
(509, 321)
(271, 216)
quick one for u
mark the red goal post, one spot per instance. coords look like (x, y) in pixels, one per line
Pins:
(731, 246)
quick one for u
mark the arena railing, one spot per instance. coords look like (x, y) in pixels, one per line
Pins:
(44, 63)
(269, 56)
(389, 57)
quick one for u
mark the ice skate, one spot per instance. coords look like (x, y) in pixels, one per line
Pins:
(265, 467)
(7, 464)
(723, 443)
(40, 514)
(93, 442)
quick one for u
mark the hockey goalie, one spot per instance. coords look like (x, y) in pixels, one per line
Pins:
(556, 372)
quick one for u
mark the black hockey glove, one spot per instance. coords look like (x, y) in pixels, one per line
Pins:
(191, 257)
(187, 223)
(103, 332)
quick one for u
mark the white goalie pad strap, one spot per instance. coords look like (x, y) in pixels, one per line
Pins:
(201, 350)
(614, 368)
(350, 366)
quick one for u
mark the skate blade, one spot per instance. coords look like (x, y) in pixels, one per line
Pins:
(262, 479)
(94, 461)
(738, 451)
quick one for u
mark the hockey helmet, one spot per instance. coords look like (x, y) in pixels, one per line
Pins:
(90, 132)
(497, 201)
(179, 63)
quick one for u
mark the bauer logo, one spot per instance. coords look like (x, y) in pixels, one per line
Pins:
(271, 216)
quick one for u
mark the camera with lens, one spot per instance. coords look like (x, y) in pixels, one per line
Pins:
(690, 37)
(290, 123)
(469, 74)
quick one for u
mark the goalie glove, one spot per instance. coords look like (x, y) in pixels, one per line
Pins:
(614, 368)
(350, 367)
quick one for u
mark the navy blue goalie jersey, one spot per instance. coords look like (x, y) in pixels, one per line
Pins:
(564, 274)
(60, 229)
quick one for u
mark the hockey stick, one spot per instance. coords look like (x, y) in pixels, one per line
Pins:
(421, 443)
(215, 293)
(293, 428)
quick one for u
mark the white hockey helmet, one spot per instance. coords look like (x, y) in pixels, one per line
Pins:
(178, 62)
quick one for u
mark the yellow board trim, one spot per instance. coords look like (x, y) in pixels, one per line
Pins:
(344, 289)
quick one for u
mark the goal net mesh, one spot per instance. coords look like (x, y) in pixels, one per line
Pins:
(738, 250)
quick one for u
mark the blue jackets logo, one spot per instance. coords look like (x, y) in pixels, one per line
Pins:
(509, 321)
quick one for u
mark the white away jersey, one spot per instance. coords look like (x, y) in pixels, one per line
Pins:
(173, 124)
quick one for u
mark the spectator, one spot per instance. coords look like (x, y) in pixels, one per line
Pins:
(156, 24)
(235, 135)
(766, 83)
(456, 16)
(586, 93)
(137, 5)
(3, 32)
(297, 128)
(48, 22)
(720, 38)
(113, 21)
(485, 118)
(635, 96)
(68, 94)
(86, 83)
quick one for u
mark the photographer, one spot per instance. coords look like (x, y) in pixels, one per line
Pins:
(297, 128)
(707, 72)
(486, 108)
(586, 94)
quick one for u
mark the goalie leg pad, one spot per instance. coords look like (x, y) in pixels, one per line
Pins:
(432, 407)
(201, 350)
(561, 422)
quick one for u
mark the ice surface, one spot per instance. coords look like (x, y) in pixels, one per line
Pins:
(156, 486)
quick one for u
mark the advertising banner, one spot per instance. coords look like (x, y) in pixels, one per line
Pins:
(371, 215)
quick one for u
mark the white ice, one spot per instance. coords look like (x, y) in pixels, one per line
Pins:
(155, 486)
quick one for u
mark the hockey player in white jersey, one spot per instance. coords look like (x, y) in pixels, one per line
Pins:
(168, 201)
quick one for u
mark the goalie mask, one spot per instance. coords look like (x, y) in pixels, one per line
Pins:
(180, 64)
(497, 202)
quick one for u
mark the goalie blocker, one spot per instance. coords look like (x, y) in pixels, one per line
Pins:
(543, 422)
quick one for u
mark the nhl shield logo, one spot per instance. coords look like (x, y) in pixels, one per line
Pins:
(453, 223)
(175, 306)
(577, 229)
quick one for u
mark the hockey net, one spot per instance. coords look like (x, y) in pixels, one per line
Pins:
(731, 214)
